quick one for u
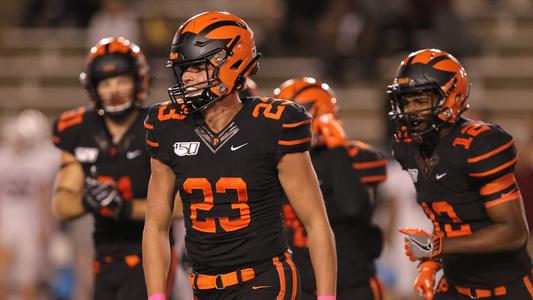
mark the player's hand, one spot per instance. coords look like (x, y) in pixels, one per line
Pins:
(329, 131)
(424, 283)
(421, 245)
(104, 199)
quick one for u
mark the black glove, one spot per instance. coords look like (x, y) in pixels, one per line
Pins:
(104, 200)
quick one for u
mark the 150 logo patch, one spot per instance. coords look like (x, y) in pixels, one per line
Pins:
(186, 148)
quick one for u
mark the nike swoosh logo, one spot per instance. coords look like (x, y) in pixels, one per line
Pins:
(238, 147)
(256, 287)
(439, 176)
(133, 154)
(425, 247)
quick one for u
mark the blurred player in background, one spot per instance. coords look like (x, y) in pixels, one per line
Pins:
(231, 159)
(104, 165)
(28, 163)
(397, 207)
(348, 172)
(463, 171)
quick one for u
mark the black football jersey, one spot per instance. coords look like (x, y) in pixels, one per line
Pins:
(83, 134)
(344, 175)
(448, 187)
(228, 181)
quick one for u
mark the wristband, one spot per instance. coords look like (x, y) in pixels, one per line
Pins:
(158, 296)
(326, 297)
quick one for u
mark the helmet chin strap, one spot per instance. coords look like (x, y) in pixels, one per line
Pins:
(117, 113)
(196, 103)
(435, 127)
(435, 124)
(117, 108)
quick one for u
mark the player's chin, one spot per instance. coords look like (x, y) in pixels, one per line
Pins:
(420, 125)
(118, 107)
(419, 128)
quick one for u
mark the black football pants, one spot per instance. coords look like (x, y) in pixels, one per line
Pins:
(116, 279)
(521, 289)
(277, 277)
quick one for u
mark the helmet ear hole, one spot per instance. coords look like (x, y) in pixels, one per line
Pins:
(236, 65)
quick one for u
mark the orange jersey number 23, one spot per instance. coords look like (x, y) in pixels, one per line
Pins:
(221, 186)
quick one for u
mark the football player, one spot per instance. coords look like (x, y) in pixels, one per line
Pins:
(348, 172)
(463, 171)
(29, 162)
(104, 165)
(231, 161)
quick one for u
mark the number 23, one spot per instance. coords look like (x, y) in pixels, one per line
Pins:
(222, 185)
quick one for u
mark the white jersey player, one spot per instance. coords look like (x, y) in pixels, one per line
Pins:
(28, 163)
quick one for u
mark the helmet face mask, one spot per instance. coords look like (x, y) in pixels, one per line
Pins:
(110, 58)
(434, 73)
(218, 42)
(420, 120)
(196, 95)
(116, 95)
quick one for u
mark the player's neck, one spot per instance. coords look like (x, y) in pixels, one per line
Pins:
(118, 129)
(429, 145)
(218, 115)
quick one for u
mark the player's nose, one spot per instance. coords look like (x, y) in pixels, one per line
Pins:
(188, 77)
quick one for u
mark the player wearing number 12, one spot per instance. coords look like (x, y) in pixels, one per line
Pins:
(463, 171)
(231, 159)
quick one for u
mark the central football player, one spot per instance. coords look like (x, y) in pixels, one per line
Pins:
(231, 160)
